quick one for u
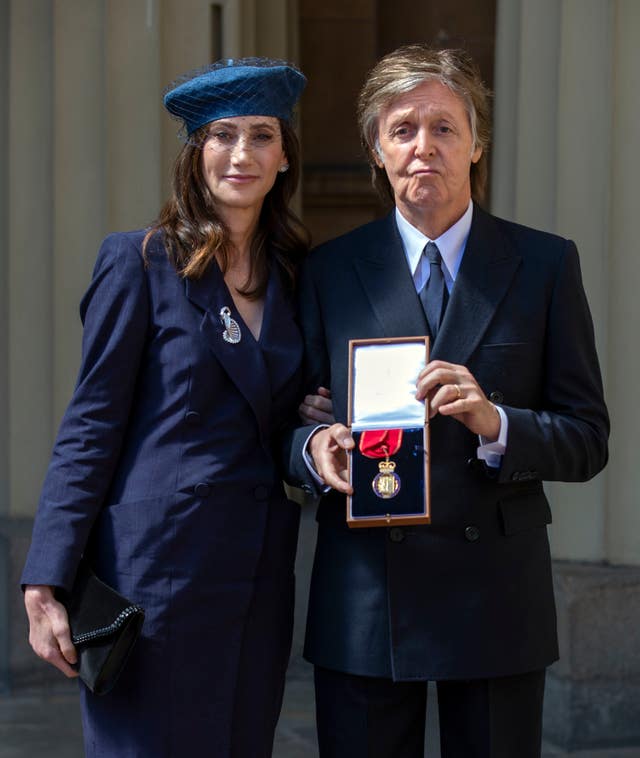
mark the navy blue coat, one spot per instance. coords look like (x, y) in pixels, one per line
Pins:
(470, 595)
(163, 474)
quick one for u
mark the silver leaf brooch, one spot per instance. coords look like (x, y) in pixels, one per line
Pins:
(231, 331)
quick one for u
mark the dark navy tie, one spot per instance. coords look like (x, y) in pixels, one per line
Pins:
(434, 294)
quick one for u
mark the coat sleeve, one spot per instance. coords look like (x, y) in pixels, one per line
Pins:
(316, 372)
(115, 315)
(566, 439)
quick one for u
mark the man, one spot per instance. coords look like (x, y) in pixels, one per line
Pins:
(515, 398)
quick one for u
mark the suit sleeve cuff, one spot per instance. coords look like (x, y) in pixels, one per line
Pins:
(308, 461)
(491, 452)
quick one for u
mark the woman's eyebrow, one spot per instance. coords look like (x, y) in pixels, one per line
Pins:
(264, 125)
(221, 122)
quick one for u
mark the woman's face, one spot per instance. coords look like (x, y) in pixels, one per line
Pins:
(240, 160)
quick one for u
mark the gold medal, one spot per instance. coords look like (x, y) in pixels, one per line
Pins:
(376, 443)
(387, 483)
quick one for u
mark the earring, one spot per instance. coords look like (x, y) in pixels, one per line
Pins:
(284, 168)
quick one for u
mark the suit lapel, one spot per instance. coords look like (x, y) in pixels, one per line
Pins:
(387, 281)
(280, 334)
(487, 269)
(243, 362)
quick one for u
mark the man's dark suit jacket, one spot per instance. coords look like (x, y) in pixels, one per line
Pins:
(470, 595)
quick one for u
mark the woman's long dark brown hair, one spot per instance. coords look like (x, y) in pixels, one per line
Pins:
(194, 234)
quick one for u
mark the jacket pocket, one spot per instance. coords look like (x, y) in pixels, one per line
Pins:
(527, 510)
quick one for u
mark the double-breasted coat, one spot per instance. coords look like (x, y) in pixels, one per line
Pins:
(163, 474)
(469, 595)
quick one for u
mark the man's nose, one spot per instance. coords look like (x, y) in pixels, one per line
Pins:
(424, 142)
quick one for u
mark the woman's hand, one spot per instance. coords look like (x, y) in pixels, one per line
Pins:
(317, 409)
(49, 633)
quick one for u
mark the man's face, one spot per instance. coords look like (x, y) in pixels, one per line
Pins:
(426, 148)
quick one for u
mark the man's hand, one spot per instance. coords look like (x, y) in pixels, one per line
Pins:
(49, 633)
(453, 391)
(317, 409)
(328, 449)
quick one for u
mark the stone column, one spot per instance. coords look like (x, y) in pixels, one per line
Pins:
(539, 179)
(30, 249)
(504, 166)
(189, 39)
(623, 514)
(133, 113)
(543, 130)
(583, 133)
(28, 329)
(79, 160)
(4, 336)
(536, 150)
(567, 116)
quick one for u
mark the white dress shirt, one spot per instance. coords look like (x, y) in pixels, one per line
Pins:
(451, 244)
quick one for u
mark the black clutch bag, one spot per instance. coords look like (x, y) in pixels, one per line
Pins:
(104, 628)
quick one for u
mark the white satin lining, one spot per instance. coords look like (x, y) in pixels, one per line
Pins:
(384, 386)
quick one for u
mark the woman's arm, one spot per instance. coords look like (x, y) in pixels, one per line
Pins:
(318, 408)
(115, 314)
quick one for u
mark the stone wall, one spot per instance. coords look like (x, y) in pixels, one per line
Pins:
(592, 697)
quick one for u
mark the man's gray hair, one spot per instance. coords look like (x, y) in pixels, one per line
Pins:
(405, 69)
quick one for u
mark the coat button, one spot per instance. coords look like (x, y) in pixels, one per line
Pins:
(202, 489)
(261, 492)
(396, 534)
(496, 397)
(472, 533)
(192, 418)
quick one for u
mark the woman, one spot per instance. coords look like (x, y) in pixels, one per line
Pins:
(163, 471)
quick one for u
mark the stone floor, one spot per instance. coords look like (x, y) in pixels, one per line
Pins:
(36, 725)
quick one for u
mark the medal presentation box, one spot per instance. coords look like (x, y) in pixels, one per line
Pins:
(389, 465)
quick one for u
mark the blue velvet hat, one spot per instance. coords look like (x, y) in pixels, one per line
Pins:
(235, 87)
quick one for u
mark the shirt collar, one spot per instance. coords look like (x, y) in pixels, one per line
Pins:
(451, 244)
